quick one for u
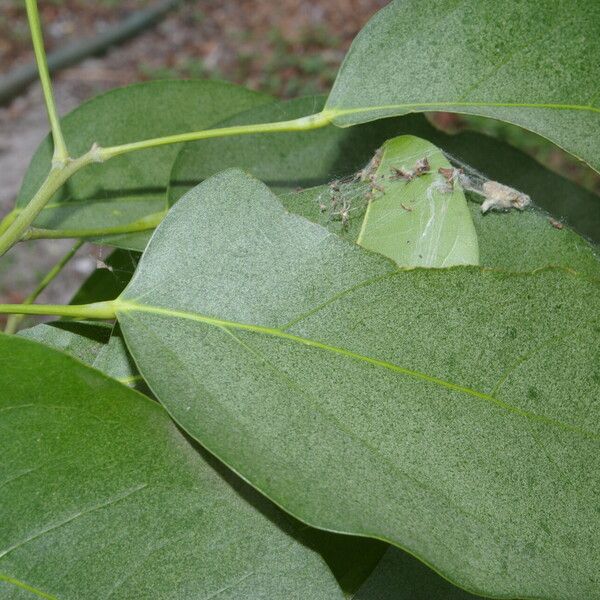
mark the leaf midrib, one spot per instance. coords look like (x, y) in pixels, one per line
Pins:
(332, 113)
(125, 306)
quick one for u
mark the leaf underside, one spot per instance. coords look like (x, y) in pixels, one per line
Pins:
(517, 62)
(451, 412)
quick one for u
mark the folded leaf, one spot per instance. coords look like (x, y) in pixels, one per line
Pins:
(416, 219)
(103, 496)
(452, 412)
(535, 64)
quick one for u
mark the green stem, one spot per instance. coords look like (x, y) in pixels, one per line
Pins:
(17, 229)
(14, 321)
(302, 124)
(7, 220)
(149, 222)
(56, 177)
(96, 310)
(61, 154)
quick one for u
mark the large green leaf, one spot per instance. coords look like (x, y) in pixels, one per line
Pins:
(452, 412)
(102, 496)
(416, 223)
(535, 64)
(129, 188)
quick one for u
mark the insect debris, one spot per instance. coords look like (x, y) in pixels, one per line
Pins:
(408, 208)
(556, 224)
(400, 173)
(422, 167)
(369, 171)
(374, 185)
(502, 197)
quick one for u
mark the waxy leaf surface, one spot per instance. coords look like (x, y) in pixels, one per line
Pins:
(452, 412)
(102, 496)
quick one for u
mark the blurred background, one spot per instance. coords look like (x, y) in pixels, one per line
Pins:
(286, 48)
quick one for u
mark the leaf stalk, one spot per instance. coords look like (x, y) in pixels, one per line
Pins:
(96, 310)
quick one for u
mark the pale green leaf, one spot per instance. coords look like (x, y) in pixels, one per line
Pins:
(535, 64)
(452, 412)
(132, 187)
(102, 496)
(416, 223)
(79, 339)
(514, 241)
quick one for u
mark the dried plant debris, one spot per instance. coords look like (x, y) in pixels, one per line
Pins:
(556, 224)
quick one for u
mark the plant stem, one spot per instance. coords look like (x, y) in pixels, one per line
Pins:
(302, 124)
(61, 154)
(14, 321)
(144, 224)
(16, 230)
(96, 310)
(56, 177)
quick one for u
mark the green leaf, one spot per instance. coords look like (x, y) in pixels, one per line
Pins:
(414, 222)
(114, 360)
(399, 576)
(129, 188)
(452, 412)
(78, 339)
(527, 241)
(535, 64)
(103, 496)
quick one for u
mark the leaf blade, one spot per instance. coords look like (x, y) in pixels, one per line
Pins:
(407, 443)
(103, 496)
(493, 59)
